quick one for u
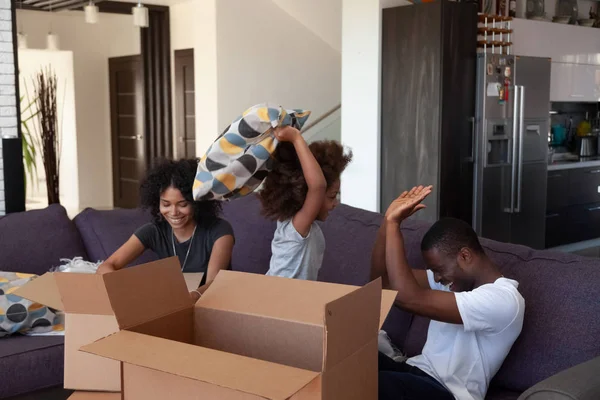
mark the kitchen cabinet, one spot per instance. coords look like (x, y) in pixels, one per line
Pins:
(572, 205)
(562, 43)
(571, 82)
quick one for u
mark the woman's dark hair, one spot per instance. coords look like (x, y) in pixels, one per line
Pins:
(284, 189)
(179, 175)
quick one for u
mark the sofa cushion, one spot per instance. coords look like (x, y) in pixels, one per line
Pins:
(104, 231)
(30, 363)
(35, 241)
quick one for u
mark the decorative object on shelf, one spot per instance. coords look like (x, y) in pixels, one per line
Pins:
(494, 33)
(45, 92)
(512, 8)
(566, 10)
(587, 22)
(536, 10)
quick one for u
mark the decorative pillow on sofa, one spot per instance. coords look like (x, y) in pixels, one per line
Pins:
(21, 315)
(239, 160)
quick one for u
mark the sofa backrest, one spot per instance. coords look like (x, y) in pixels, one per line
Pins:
(104, 231)
(35, 241)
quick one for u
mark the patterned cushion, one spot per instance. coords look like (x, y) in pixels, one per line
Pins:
(239, 160)
(21, 315)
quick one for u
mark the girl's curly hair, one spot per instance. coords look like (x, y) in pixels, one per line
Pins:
(284, 190)
(179, 175)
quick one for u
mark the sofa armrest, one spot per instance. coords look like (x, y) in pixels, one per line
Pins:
(576, 383)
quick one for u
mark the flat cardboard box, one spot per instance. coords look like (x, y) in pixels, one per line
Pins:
(249, 336)
(88, 317)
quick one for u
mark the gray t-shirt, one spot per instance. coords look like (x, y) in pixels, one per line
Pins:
(295, 256)
(158, 237)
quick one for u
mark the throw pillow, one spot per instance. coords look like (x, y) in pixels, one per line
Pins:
(19, 315)
(240, 159)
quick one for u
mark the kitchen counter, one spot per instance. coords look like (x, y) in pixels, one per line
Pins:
(581, 163)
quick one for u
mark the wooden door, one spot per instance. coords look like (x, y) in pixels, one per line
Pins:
(185, 104)
(127, 129)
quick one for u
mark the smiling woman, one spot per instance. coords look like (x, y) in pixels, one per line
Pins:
(190, 230)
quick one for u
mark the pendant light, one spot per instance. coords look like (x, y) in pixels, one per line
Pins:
(91, 12)
(51, 38)
(140, 15)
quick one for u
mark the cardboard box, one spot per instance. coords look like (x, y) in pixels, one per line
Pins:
(88, 317)
(248, 337)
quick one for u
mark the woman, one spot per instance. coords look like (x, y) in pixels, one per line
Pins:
(182, 227)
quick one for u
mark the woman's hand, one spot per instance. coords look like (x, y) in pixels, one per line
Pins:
(195, 295)
(105, 268)
(407, 204)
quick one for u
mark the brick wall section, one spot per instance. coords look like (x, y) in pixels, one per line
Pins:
(8, 100)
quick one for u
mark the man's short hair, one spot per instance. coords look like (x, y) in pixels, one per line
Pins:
(449, 236)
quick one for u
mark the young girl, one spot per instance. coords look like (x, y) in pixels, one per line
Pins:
(182, 227)
(301, 189)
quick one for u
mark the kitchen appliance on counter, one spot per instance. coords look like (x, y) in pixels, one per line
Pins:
(511, 148)
(587, 146)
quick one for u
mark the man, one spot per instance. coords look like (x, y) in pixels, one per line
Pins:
(476, 313)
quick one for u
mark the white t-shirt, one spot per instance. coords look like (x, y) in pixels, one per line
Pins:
(295, 256)
(465, 358)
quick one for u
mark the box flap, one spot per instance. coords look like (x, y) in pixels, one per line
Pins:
(43, 290)
(83, 293)
(388, 297)
(248, 375)
(281, 298)
(351, 322)
(145, 292)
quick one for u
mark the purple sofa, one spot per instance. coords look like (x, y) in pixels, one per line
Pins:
(557, 355)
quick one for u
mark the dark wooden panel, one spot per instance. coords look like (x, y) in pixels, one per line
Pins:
(125, 82)
(584, 185)
(558, 190)
(410, 102)
(557, 228)
(156, 62)
(584, 222)
(127, 129)
(185, 103)
(127, 125)
(128, 147)
(126, 103)
(459, 25)
(190, 103)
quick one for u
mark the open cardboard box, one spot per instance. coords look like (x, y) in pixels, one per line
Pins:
(248, 337)
(88, 317)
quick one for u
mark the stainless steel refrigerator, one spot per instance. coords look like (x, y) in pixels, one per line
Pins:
(510, 148)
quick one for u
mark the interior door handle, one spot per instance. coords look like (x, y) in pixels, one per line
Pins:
(139, 137)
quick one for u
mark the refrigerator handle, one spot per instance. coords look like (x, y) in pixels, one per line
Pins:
(513, 174)
(471, 157)
(521, 134)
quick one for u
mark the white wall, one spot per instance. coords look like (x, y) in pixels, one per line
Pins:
(194, 25)
(114, 35)
(266, 55)
(31, 63)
